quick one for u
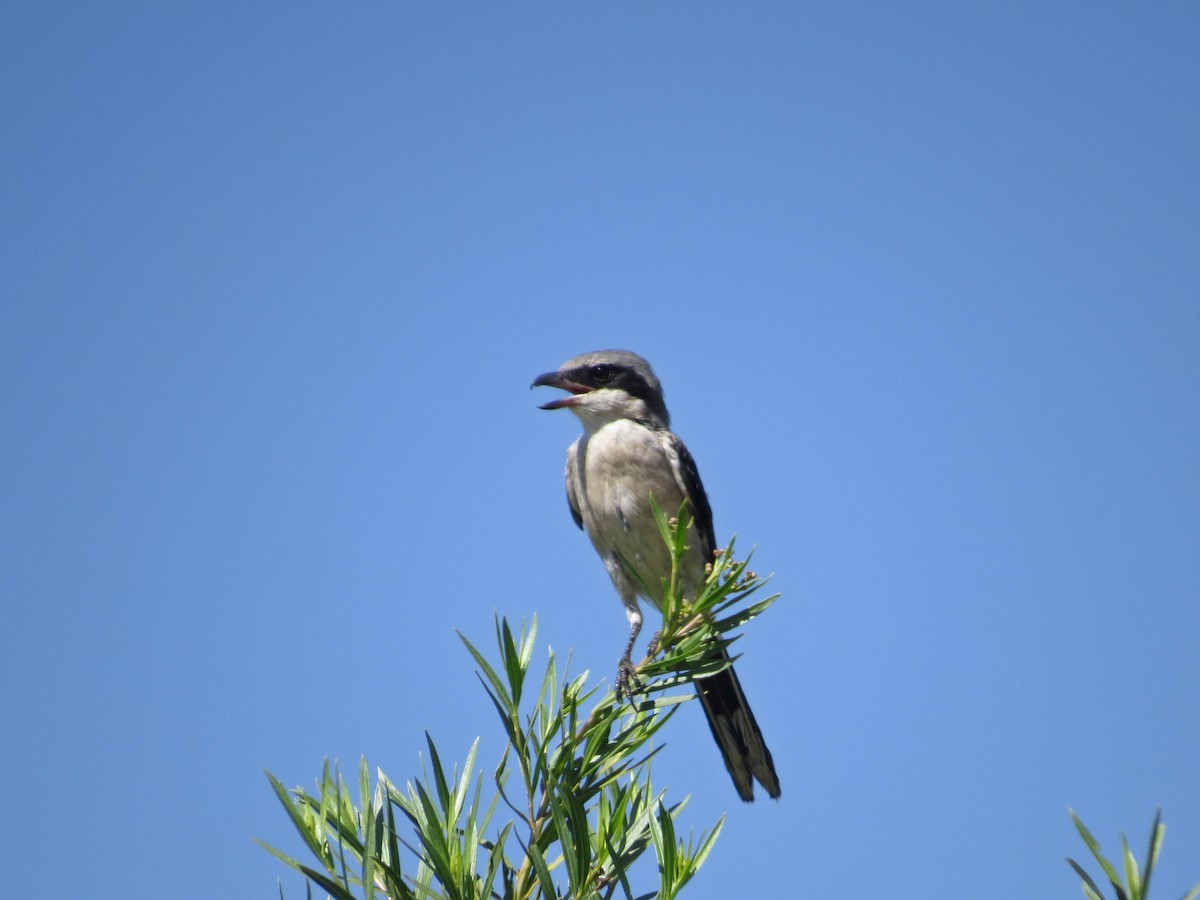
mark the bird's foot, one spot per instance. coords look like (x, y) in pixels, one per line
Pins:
(627, 679)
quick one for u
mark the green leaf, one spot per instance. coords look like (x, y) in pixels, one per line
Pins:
(662, 833)
(301, 819)
(327, 884)
(740, 618)
(1090, 888)
(439, 777)
(1133, 877)
(501, 697)
(708, 843)
(1109, 870)
(464, 782)
(368, 818)
(1157, 833)
(511, 658)
(528, 642)
(278, 854)
(545, 881)
(660, 519)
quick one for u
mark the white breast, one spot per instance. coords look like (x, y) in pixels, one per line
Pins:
(614, 470)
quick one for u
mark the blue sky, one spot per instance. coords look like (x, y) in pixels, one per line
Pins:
(922, 282)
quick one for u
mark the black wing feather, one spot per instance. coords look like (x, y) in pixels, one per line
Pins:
(697, 499)
(572, 500)
(574, 511)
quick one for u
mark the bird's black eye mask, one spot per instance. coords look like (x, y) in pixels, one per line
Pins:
(608, 375)
(618, 377)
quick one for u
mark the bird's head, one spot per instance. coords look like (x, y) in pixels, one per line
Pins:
(607, 385)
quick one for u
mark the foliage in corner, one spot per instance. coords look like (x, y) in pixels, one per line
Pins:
(1133, 882)
(570, 806)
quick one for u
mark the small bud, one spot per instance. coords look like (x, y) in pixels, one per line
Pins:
(751, 576)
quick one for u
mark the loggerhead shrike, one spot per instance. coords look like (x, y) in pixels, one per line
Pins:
(627, 453)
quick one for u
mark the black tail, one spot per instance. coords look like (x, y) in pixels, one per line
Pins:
(737, 734)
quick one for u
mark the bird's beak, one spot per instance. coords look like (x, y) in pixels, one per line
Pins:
(558, 380)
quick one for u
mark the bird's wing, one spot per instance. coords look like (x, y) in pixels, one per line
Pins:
(572, 498)
(688, 478)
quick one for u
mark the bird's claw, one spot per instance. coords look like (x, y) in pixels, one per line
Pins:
(627, 679)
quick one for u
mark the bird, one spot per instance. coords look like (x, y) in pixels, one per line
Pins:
(627, 455)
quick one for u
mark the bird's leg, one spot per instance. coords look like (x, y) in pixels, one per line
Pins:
(652, 648)
(626, 674)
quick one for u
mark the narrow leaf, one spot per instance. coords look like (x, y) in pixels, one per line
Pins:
(1157, 833)
(1088, 884)
(1133, 877)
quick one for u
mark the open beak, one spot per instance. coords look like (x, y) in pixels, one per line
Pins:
(558, 380)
